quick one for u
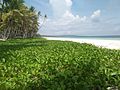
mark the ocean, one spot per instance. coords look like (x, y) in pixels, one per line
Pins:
(90, 37)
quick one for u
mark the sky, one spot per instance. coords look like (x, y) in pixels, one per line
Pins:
(78, 17)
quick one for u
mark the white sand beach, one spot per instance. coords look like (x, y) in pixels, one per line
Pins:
(110, 44)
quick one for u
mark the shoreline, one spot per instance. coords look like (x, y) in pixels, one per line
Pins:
(109, 44)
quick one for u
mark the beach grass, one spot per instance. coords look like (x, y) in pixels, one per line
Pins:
(40, 64)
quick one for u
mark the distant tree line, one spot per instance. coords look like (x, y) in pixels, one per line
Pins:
(17, 20)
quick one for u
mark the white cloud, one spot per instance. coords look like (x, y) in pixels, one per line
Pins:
(60, 7)
(79, 27)
(95, 16)
(69, 24)
(69, 3)
(69, 16)
(84, 18)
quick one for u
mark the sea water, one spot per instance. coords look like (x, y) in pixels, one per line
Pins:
(91, 37)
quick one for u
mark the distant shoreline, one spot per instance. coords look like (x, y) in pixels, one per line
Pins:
(101, 36)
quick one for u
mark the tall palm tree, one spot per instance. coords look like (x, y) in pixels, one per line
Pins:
(1, 10)
(18, 20)
(43, 19)
(8, 5)
(32, 9)
(10, 24)
(7, 15)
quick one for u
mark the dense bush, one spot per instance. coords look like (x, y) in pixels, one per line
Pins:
(39, 64)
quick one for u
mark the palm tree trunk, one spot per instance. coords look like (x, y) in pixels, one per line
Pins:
(5, 34)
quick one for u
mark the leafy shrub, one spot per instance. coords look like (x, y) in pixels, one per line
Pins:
(39, 64)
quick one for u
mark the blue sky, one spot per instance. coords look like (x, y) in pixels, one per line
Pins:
(79, 17)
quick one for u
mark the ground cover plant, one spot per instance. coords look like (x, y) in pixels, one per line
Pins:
(39, 64)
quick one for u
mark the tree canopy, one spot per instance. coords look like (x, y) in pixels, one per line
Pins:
(17, 20)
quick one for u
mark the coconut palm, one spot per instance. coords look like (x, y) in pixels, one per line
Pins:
(10, 24)
(9, 10)
(43, 19)
(12, 4)
(17, 20)
(1, 10)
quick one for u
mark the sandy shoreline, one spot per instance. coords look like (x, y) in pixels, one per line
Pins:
(110, 44)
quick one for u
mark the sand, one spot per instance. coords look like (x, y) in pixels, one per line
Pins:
(110, 44)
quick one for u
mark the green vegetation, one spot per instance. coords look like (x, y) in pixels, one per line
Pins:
(17, 20)
(39, 64)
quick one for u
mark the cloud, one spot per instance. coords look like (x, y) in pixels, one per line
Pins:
(68, 3)
(66, 23)
(96, 16)
(104, 20)
(69, 24)
(62, 11)
(60, 7)
(69, 16)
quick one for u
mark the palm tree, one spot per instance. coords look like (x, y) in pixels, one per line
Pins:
(10, 24)
(1, 10)
(8, 10)
(32, 9)
(43, 19)
(12, 4)
(18, 20)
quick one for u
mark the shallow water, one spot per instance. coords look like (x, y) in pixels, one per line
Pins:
(92, 37)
